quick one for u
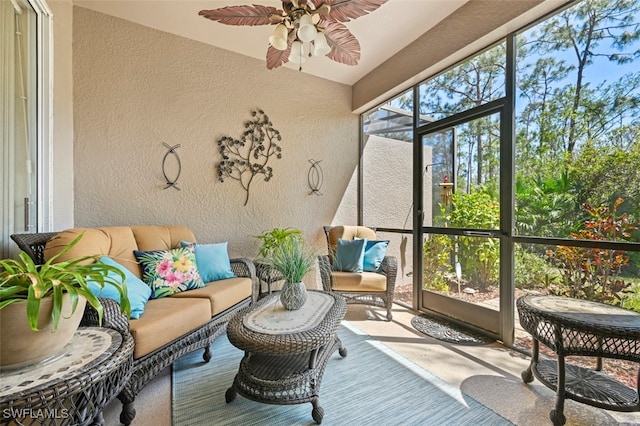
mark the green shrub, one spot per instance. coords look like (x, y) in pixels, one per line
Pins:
(436, 263)
(629, 297)
(479, 256)
(532, 270)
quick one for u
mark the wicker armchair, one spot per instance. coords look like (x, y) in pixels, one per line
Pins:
(366, 288)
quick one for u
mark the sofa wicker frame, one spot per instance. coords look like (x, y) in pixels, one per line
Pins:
(149, 366)
(388, 268)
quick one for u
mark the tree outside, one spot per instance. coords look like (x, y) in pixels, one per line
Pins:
(577, 154)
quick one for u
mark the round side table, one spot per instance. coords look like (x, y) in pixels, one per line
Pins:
(579, 327)
(71, 388)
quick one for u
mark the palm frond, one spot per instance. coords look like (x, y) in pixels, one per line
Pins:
(345, 48)
(244, 15)
(347, 10)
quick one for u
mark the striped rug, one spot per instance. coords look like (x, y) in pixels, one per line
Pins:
(373, 385)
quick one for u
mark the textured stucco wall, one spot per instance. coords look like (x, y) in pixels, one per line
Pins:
(136, 87)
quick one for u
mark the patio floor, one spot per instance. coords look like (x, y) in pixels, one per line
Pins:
(488, 373)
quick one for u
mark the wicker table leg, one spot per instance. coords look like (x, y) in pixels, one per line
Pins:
(318, 412)
(230, 394)
(557, 415)
(527, 375)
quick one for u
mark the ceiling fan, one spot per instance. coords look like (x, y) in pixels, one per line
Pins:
(303, 28)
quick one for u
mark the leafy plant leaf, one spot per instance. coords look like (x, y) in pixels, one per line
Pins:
(24, 280)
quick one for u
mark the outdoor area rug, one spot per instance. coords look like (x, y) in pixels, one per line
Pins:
(447, 331)
(372, 385)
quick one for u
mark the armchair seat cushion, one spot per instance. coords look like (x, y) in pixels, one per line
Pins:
(375, 285)
(359, 281)
(221, 295)
(165, 320)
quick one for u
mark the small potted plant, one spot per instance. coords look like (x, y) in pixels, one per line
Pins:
(46, 303)
(274, 237)
(269, 241)
(293, 261)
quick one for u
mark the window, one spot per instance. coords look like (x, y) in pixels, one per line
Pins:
(562, 187)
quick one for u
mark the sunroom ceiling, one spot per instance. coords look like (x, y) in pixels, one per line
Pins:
(381, 33)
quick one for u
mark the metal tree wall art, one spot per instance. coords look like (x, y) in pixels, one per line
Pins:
(246, 158)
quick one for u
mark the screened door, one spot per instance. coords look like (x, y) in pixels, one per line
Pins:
(460, 235)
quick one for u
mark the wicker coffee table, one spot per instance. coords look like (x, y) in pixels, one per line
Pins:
(579, 327)
(286, 352)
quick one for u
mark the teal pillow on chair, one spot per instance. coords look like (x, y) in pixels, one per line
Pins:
(212, 260)
(374, 252)
(137, 291)
(349, 255)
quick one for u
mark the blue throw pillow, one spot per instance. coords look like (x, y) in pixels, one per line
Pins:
(374, 252)
(349, 256)
(213, 261)
(137, 291)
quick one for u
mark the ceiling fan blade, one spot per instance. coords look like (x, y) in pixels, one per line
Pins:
(345, 48)
(244, 15)
(346, 10)
(277, 58)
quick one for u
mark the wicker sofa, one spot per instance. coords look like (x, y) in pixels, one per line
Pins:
(170, 327)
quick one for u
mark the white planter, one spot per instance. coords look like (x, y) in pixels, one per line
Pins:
(21, 346)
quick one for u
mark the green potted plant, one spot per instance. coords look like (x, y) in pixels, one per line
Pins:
(293, 261)
(274, 237)
(269, 241)
(46, 303)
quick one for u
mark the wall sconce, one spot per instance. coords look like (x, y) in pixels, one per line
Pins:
(315, 177)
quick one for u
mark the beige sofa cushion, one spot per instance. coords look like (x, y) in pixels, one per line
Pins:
(221, 294)
(161, 237)
(362, 281)
(165, 320)
(118, 242)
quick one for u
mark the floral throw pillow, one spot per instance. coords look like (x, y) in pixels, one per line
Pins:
(169, 272)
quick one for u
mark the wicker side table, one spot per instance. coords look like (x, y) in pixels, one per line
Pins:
(579, 327)
(285, 365)
(72, 388)
(267, 275)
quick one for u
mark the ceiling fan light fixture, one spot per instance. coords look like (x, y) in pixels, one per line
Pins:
(307, 31)
(320, 45)
(297, 52)
(318, 23)
(279, 37)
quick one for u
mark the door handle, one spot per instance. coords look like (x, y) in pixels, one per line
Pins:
(478, 233)
(26, 214)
